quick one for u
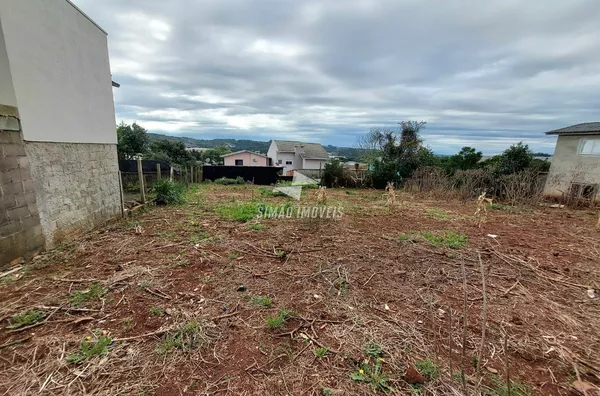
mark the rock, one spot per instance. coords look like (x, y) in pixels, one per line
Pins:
(241, 288)
(412, 376)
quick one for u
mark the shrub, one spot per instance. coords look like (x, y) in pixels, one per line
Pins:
(224, 181)
(333, 173)
(168, 192)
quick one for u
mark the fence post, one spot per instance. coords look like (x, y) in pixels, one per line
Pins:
(191, 174)
(158, 171)
(122, 194)
(171, 174)
(141, 175)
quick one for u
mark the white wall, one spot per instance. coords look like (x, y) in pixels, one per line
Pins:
(7, 93)
(60, 72)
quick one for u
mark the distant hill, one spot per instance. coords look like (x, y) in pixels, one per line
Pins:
(233, 144)
(349, 153)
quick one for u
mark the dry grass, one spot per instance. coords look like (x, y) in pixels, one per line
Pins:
(350, 287)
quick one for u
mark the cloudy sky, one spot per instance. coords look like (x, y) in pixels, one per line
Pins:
(481, 73)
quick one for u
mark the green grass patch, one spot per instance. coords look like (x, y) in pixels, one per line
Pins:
(190, 336)
(449, 239)
(427, 369)
(278, 320)
(26, 318)
(437, 213)
(261, 301)
(89, 349)
(157, 311)
(500, 388)
(258, 227)
(80, 297)
(321, 352)
(241, 212)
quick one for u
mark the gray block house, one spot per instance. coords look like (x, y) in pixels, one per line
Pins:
(575, 169)
(58, 156)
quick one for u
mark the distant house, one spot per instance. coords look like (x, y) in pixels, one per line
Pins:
(197, 149)
(245, 158)
(575, 168)
(297, 155)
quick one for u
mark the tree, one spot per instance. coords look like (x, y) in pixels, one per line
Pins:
(467, 158)
(514, 159)
(213, 156)
(132, 140)
(333, 173)
(172, 152)
(395, 153)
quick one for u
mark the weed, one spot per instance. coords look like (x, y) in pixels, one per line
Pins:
(182, 263)
(81, 296)
(280, 253)
(436, 213)
(449, 239)
(373, 350)
(269, 192)
(326, 391)
(89, 349)
(126, 323)
(277, 321)
(168, 192)
(373, 375)
(233, 255)
(500, 388)
(321, 352)
(258, 227)
(348, 192)
(262, 301)
(26, 318)
(157, 311)
(427, 369)
(242, 212)
(342, 286)
(192, 335)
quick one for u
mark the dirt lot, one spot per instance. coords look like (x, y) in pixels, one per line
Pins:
(186, 300)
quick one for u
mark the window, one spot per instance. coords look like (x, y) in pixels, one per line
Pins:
(279, 162)
(239, 162)
(288, 162)
(589, 147)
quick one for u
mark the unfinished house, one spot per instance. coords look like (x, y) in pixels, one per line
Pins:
(58, 154)
(575, 170)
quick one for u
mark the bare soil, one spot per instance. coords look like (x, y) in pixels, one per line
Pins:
(370, 278)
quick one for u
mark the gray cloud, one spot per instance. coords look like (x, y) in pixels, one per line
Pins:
(486, 74)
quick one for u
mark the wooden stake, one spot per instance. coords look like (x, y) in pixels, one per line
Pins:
(141, 176)
(171, 174)
(158, 175)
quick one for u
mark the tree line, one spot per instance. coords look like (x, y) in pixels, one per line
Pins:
(133, 141)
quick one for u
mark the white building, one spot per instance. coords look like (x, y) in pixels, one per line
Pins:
(58, 163)
(297, 155)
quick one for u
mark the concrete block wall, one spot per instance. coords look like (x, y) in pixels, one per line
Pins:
(77, 186)
(20, 227)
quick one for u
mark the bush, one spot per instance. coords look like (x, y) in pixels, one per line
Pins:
(333, 173)
(168, 192)
(224, 181)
